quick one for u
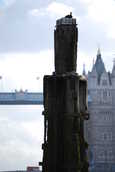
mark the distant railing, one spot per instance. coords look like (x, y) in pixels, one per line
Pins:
(21, 98)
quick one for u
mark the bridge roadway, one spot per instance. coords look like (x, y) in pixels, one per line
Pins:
(21, 98)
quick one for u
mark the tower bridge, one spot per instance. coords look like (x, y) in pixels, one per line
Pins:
(21, 98)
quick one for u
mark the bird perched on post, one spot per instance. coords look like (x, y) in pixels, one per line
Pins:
(69, 15)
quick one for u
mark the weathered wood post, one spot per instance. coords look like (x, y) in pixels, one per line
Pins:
(65, 106)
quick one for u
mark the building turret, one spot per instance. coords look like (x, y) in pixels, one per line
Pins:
(84, 72)
(113, 70)
(113, 75)
(99, 65)
(92, 78)
(105, 80)
(100, 128)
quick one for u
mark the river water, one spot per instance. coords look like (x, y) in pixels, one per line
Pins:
(21, 136)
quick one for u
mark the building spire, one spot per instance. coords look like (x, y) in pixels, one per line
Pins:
(84, 72)
(98, 67)
(98, 51)
(114, 62)
(113, 70)
(93, 61)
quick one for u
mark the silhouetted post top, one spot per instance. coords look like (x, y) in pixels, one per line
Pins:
(67, 20)
(65, 45)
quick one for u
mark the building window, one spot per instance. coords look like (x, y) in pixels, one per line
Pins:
(101, 155)
(104, 82)
(109, 94)
(107, 136)
(107, 117)
(110, 155)
(104, 95)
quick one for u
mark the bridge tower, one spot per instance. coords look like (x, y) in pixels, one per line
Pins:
(65, 107)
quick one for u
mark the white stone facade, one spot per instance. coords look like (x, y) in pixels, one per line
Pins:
(100, 129)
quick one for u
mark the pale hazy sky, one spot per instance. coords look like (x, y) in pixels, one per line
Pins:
(21, 136)
(26, 52)
(26, 37)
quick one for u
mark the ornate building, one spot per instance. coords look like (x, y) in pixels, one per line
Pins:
(101, 126)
